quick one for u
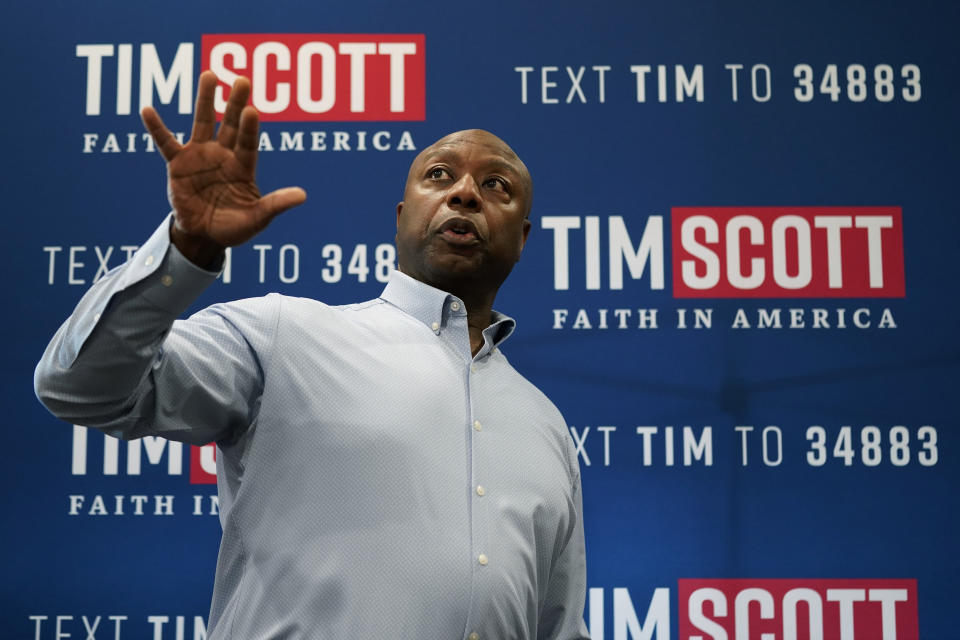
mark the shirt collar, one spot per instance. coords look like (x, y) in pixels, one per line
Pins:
(429, 305)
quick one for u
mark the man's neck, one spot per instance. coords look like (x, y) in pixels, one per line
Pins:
(478, 299)
(479, 303)
(479, 316)
(476, 323)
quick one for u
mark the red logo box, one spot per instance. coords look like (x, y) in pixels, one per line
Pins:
(787, 252)
(310, 77)
(836, 609)
(203, 464)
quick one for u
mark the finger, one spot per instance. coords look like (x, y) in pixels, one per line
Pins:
(204, 118)
(276, 202)
(165, 141)
(227, 136)
(247, 139)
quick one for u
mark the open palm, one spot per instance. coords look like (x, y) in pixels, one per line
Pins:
(212, 185)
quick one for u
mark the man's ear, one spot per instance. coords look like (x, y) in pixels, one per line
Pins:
(399, 209)
(523, 239)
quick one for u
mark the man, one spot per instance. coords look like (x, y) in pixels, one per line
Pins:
(382, 469)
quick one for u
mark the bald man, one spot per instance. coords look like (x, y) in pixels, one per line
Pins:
(382, 470)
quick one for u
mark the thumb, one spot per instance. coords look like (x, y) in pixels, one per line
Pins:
(276, 202)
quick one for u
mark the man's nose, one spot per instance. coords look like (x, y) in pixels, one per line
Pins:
(464, 194)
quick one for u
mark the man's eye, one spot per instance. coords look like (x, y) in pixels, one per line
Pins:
(496, 183)
(437, 173)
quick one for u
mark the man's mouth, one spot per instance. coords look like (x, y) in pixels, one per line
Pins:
(459, 231)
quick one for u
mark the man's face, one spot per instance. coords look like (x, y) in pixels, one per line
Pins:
(463, 219)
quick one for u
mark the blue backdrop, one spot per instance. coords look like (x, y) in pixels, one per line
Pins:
(767, 432)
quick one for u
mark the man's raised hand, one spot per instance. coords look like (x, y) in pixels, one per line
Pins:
(211, 180)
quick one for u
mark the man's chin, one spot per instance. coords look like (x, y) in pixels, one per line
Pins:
(445, 270)
(459, 270)
(457, 267)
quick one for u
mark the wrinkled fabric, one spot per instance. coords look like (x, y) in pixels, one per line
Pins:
(375, 478)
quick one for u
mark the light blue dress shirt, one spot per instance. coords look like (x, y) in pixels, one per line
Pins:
(375, 479)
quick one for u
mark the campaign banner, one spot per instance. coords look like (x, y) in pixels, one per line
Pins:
(737, 287)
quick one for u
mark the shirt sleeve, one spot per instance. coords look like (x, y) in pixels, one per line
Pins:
(123, 364)
(562, 615)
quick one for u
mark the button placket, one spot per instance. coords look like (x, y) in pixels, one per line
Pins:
(480, 490)
(480, 507)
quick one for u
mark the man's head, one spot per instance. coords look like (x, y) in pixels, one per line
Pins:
(463, 220)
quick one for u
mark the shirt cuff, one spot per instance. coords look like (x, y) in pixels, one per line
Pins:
(166, 278)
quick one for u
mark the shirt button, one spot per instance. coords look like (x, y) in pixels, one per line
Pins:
(473, 636)
(435, 326)
(480, 490)
(473, 368)
(167, 280)
(476, 425)
(455, 305)
(148, 261)
(482, 559)
(96, 317)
